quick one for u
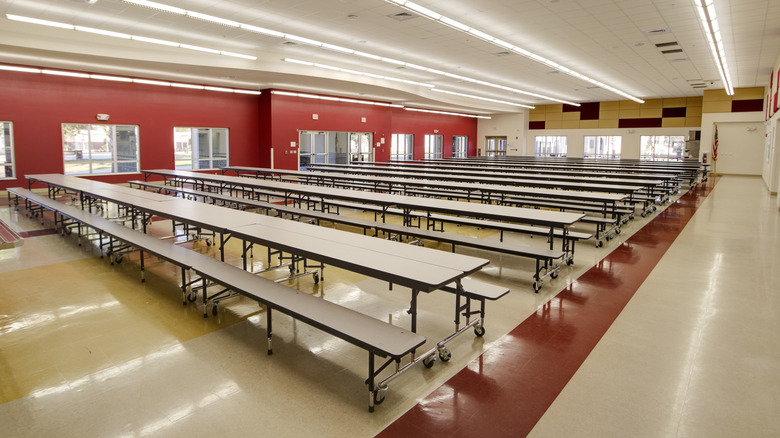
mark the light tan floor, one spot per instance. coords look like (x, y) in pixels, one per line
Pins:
(696, 352)
(88, 350)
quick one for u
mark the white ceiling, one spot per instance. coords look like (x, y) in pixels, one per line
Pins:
(607, 40)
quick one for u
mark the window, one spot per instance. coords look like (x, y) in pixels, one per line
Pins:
(97, 149)
(495, 146)
(7, 169)
(200, 148)
(401, 147)
(433, 146)
(459, 146)
(551, 146)
(661, 147)
(602, 146)
(360, 146)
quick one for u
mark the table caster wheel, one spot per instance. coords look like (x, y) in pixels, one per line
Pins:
(428, 361)
(479, 331)
(444, 354)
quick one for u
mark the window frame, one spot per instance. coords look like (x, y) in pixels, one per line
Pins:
(606, 140)
(554, 146)
(211, 159)
(460, 146)
(408, 143)
(434, 147)
(671, 139)
(10, 155)
(92, 162)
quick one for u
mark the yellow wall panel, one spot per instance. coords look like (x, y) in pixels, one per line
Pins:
(551, 117)
(609, 115)
(613, 105)
(536, 116)
(716, 106)
(649, 113)
(629, 105)
(652, 103)
(570, 124)
(554, 108)
(715, 95)
(608, 124)
(693, 111)
(749, 93)
(630, 113)
(571, 116)
(674, 103)
(589, 124)
(673, 122)
(693, 121)
(552, 124)
(693, 101)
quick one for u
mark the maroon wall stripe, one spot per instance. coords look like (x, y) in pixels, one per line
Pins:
(674, 112)
(536, 125)
(741, 106)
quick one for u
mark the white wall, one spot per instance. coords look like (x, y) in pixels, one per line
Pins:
(512, 126)
(740, 151)
(629, 144)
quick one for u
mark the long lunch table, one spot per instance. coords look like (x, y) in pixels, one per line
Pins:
(418, 268)
(474, 190)
(308, 194)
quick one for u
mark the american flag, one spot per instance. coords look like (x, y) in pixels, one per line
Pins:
(715, 145)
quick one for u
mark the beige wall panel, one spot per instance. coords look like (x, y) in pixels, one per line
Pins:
(629, 105)
(570, 124)
(571, 116)
(589, 124)
(652, 103)
(749, 93)
(554, 108)
(536, 116)
(608, 124)
(693, 101)
(693, 111)
(550, 117)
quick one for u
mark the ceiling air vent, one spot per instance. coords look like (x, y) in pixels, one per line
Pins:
(290, 43)
(402, 16)
(670, 44)
(666, 52)
(654, 32)
(502, 53)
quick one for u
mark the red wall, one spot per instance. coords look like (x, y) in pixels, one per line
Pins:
(291, 114)
(38, 104)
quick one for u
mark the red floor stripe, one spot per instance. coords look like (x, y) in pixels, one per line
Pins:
(506, 390)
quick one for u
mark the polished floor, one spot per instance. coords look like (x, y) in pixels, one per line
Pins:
(670, 330)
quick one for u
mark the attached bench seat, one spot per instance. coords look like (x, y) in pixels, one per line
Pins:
(375, 336)
(8, 237)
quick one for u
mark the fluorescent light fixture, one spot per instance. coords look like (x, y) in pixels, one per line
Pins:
(446, 113)
(127, 36)
(155, 5)
(262, 30)
(487, 99)
(192, 86)
(152, 82)
(19, 69)
(509, 46)
(359, 73)
(213, 19)
(125, 79)
(334, 99)
(38, 21)
(102, 32)
(709, 21)
(154, 41)
(111, 78)
(412, 6)
(72, 74)
(221, 89)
